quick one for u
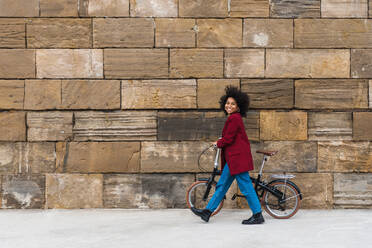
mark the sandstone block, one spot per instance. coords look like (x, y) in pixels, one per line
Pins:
(196, 63)
(244, 62)
(42, 94)
(172, 156)
(174, 32)
(370, 94)
(362, 125)
(49, 126)
(158, 94)
(370, 8)
(353, 190)
(71, 63)
(17, 63)
(12, 126)
(122, 191)
(361, 63)
(338, 156)
(269, 93)
(333, 33)
(146, 190)
(155, 8)
(123, 125)
(268, 33)
(19, 8)
(316, 189)
(90, 94)
(190, 125)
(74, 191)
(99, 157)
(68, 8)
(210, 90)
(331, 94)
(12, 33)
(249, 8)
(127, 32)
(330, 126)
(307, 63)
(110, 8)
(252, 125)
(136, 63)
(283, 125)
(7, 158)
(11, 94)
(295, 8)
(345, 8)
(35, 157)
(293, 156)
(27, 158)
(203, 8)
(20, 191)
(59, 33)
(219, 33)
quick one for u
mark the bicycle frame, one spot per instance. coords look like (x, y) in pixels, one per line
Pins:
(259, 186)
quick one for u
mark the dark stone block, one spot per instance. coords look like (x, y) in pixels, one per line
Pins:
(190, 125)
(201, 125)
(295, 8)
(146, 190)
(165, 191)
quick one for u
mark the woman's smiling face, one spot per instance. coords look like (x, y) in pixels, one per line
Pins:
(231, 106)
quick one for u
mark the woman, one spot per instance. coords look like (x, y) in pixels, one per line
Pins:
(236, 157)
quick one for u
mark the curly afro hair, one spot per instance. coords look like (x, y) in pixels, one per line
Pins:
(240, 97)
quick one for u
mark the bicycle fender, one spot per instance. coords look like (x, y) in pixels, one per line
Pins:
(289, 182)
(203, 179)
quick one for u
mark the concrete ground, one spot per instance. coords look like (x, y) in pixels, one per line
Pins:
(108, 228)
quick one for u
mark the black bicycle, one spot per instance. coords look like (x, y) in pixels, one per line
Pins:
(280, 197)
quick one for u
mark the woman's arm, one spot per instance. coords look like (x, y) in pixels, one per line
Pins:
(230, 134)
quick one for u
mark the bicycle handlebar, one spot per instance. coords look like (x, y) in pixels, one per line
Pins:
(205, 151)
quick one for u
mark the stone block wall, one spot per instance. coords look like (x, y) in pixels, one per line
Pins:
(107, 104)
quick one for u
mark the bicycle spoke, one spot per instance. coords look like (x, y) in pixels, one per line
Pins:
(286, 199)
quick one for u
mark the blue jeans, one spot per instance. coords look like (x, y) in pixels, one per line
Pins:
(245, 186)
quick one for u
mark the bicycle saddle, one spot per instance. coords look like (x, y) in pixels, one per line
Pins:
(267, 153)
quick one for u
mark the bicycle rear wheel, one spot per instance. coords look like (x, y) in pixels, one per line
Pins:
(195, 193)
(282, 207)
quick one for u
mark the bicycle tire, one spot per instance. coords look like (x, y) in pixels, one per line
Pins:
(194, 196)
(276, 209)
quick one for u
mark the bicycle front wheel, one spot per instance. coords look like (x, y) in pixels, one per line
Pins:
(285, 203)
(195, 193)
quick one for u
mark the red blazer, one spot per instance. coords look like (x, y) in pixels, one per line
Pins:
(236, 149)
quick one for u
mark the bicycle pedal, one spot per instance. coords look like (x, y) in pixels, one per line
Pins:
(233, 197)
